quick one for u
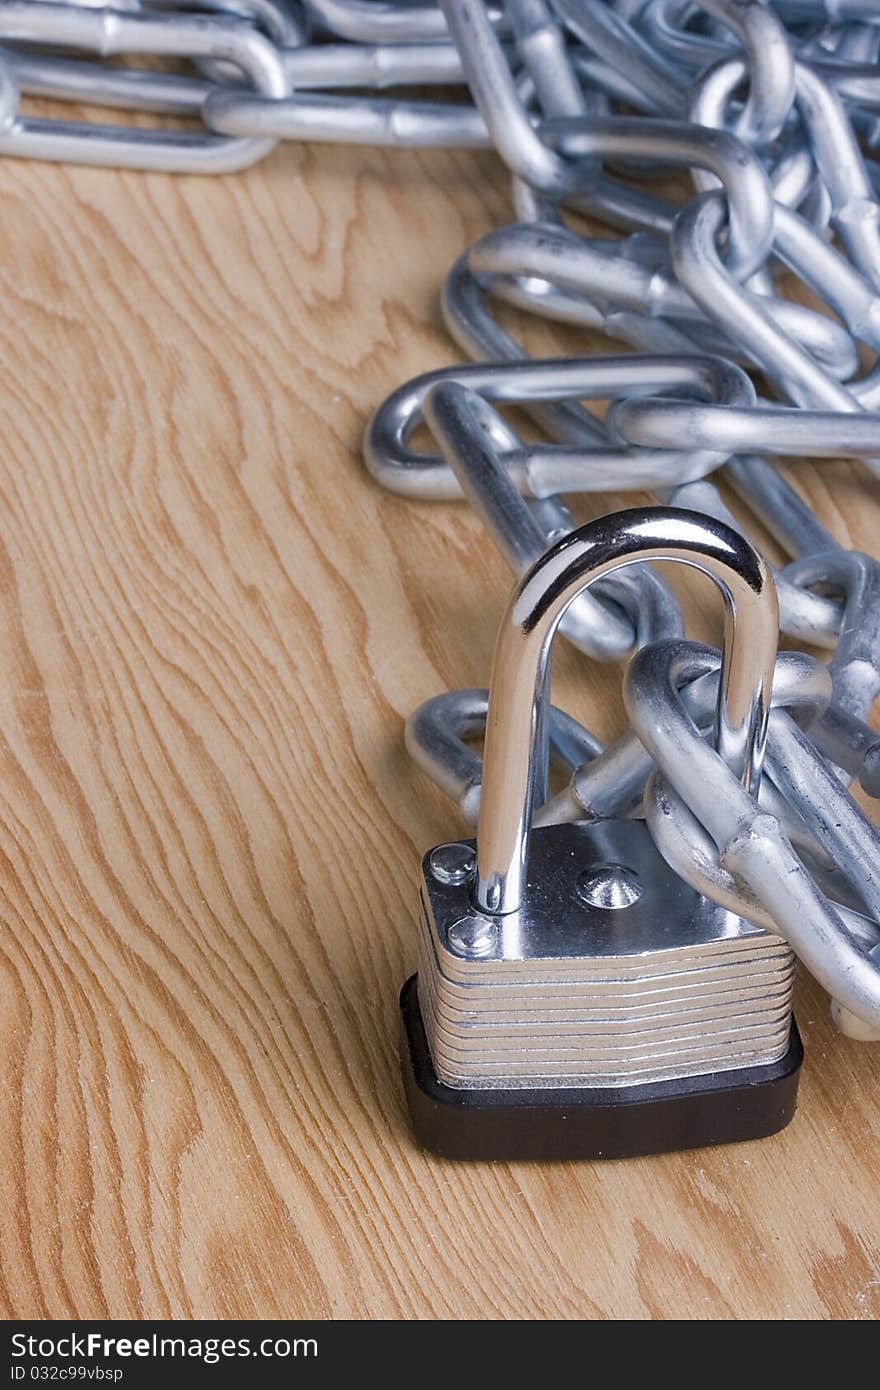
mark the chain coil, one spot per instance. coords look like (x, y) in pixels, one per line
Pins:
(768, 116)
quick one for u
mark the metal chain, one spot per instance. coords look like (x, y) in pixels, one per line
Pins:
(770, 116)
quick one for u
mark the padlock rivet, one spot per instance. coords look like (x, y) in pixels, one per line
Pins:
(610, 886)
(473, 935)
(453, 863)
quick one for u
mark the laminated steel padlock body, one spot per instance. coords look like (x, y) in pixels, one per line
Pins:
(614, 972)
(574, 996)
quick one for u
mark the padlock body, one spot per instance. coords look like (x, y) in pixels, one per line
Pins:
(530, 1123)
(567, 993)
(616, 986)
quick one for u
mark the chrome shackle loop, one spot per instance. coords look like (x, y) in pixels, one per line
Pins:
(523, 647)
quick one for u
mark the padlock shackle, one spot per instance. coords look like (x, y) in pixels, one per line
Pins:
(522, 651)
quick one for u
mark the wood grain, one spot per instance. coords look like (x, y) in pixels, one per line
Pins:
(212, 627)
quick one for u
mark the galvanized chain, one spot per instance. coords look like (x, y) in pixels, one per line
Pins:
(769, 116)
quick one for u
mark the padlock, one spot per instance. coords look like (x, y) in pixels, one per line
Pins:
(575, 998)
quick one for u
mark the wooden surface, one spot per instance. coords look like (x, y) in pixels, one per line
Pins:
(212, 626)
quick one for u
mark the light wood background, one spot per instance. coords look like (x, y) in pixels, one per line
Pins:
(212, 625)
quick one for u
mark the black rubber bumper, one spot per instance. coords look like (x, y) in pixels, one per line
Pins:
(619, 1122)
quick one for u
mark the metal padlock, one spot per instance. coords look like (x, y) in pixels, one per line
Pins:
(575, 998)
